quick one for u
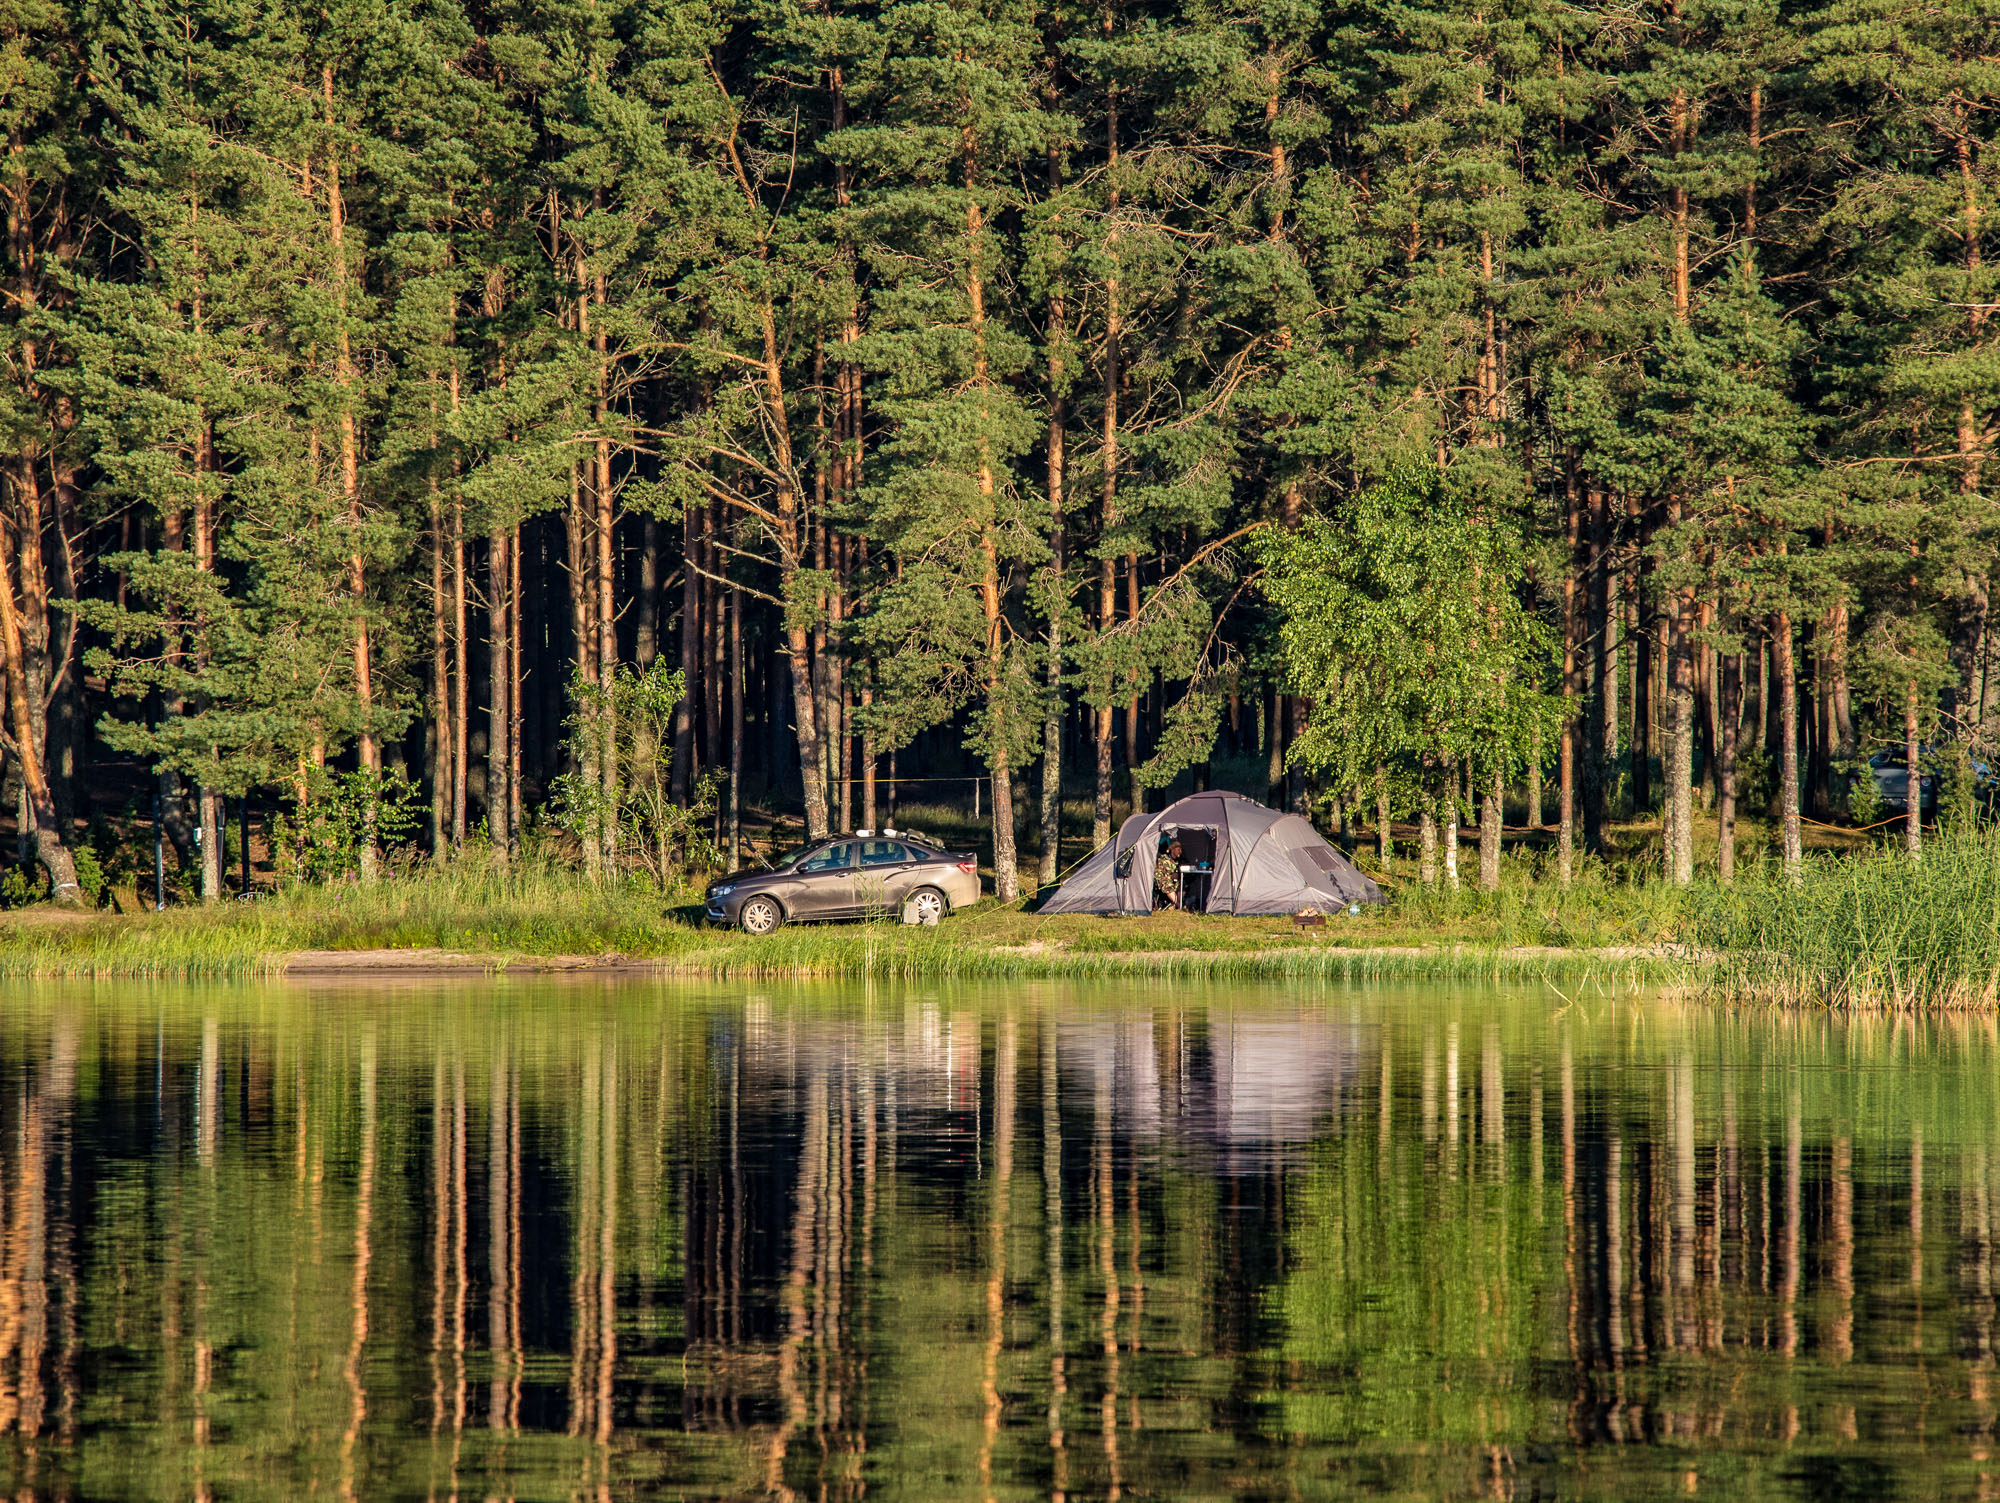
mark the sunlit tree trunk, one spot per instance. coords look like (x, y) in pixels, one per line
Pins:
(50, 847)
(1788, 750)
(366, 751)
(1052, 721)
(499, 712)
(1006, 876)
(1913, 801)
(736, 729)
(605, 564)
(1107, 515)
(441, 736)
(1731, 669)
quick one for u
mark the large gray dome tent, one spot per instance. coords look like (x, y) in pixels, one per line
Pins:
(1264, 861)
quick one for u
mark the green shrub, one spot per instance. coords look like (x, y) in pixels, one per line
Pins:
(21, 886)
(89, 874)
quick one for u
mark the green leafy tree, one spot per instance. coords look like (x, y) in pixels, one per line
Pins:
(1400, 620)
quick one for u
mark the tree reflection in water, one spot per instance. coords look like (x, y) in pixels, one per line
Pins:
(1062, 1241)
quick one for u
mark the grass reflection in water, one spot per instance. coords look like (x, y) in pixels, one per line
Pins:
(616, 1240)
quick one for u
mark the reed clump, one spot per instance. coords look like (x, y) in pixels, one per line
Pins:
(1871, 930)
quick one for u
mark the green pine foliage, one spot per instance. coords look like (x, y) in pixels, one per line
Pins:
(957, 386)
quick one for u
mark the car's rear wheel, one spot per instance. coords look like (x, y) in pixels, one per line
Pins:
(761, 916)
(926, 905)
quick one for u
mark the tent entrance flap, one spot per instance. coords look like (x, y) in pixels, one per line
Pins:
(1197, 843)
(1200, 845)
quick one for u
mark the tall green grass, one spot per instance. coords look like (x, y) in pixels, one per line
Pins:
(471, 907)
(1596, 910)
(1864, 931)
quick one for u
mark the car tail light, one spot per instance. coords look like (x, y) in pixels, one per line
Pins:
(970, 868)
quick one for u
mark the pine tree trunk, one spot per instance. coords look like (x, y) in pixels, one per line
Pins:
(683, 767)
(1132, 789)
(1572, 678)
(49, 844)
(1596, 632)
(499, 714)
(646, 630)
(209, 801)
(1489, 833)
(1788, 749)
(1725, 804)
(1644, 734)
(366, 751)
(1052, 719)
(1006, 873)
(839, 721)
(1680, 749)
(1750, 715)
(461, 682)
(735, 728)
(787, 531)
(516, 671)
(798, 643)
(211, 814)
(1705, 716)
(870, 794)
(606, 562)
(1610, 618)
(713, 635)
(1107, 568)
(1913, 796)
(1840, 697)
(441, 732)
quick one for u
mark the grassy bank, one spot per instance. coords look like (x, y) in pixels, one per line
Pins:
(534, 913)
(1868, 929)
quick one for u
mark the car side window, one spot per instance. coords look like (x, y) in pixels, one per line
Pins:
(833, 858)
(883, 852)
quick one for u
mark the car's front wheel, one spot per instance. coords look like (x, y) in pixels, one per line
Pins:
(925, 906)
(761, 916)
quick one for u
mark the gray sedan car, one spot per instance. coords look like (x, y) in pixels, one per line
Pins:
(861, 875)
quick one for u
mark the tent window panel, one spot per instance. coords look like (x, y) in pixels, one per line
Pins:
(1311, 869)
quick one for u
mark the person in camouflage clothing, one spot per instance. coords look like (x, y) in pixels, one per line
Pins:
(1167, 877)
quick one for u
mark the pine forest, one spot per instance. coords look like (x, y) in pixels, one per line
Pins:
(642, 429)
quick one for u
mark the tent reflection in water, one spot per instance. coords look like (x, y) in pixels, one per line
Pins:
(1263, 861)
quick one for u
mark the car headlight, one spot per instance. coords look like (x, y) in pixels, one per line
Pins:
(723, 891)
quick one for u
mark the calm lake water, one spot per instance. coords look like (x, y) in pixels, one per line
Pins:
(643, 1240)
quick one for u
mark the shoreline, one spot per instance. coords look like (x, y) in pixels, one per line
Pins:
(987, 960)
